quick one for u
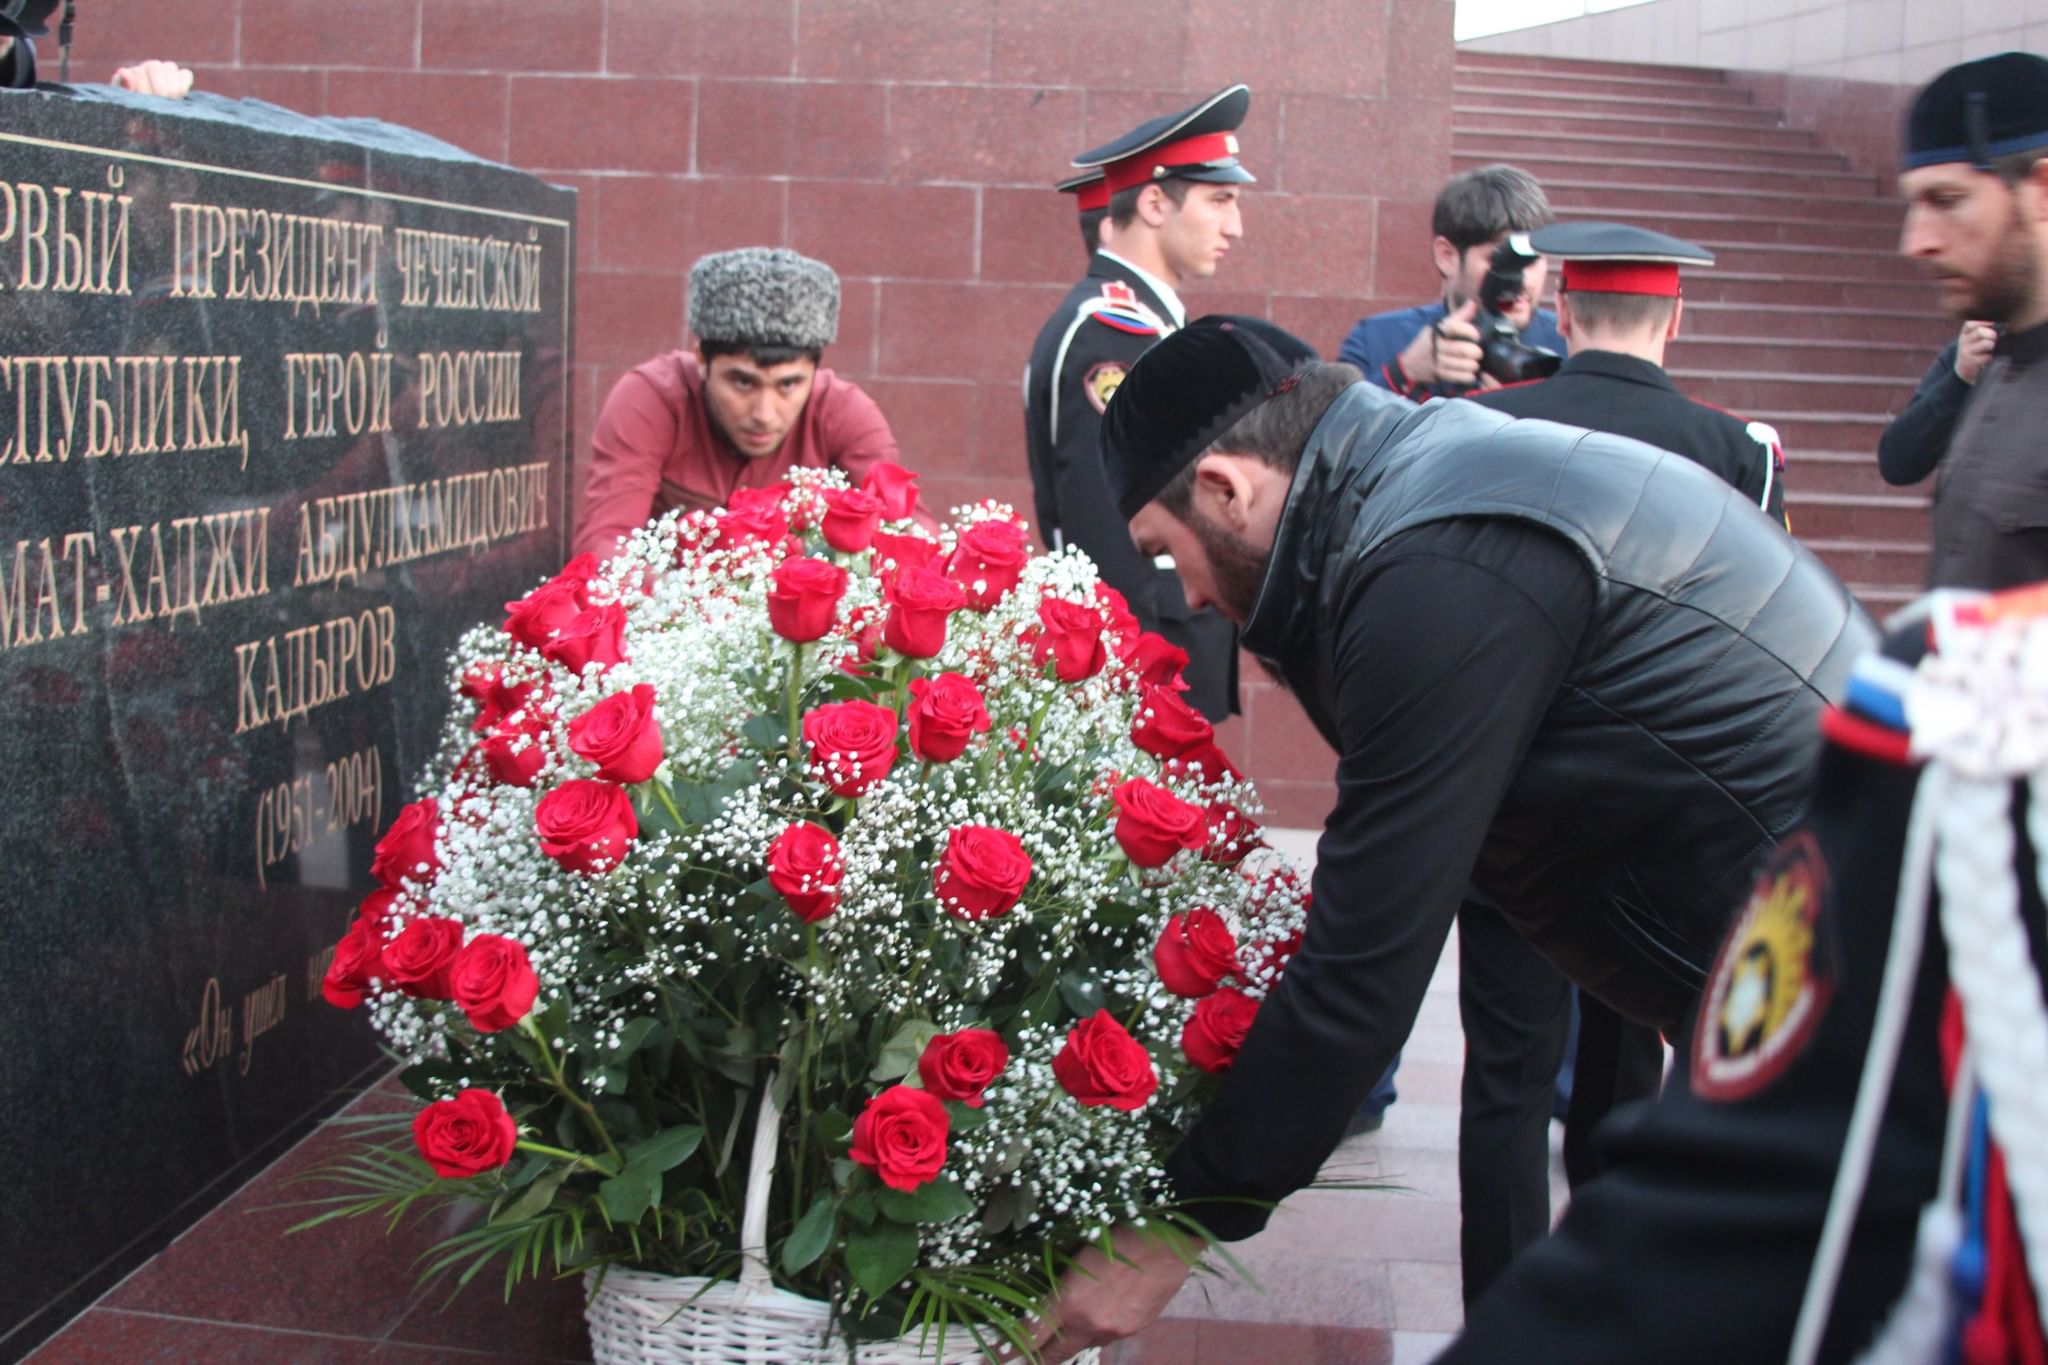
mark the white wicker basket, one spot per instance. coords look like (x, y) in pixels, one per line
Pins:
(638, 1317)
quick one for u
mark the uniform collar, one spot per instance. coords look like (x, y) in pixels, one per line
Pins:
(1615, 365)
(1176, 311)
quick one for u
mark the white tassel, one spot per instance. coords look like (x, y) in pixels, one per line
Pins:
(1923, 1318)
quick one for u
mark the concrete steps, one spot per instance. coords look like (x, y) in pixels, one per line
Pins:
(1809, 320)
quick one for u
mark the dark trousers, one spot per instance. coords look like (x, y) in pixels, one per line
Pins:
(1516, 1012)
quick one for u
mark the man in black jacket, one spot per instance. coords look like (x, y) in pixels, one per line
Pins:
(1577, 673)
(1173, 186)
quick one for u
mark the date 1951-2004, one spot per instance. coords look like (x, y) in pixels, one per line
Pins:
(294, 815)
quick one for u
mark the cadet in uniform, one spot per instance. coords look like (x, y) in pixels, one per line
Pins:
(1173, 213)
(1619, 305)
(1091, 201)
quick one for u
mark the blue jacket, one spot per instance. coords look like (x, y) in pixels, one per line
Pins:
(1375, 342)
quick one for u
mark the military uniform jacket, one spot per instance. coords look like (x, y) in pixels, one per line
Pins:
(1082, 353)
(1991, 500)
(1608, 391)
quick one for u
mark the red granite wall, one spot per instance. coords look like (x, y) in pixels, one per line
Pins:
(910, 143)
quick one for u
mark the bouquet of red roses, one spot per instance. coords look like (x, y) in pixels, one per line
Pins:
(904, 838)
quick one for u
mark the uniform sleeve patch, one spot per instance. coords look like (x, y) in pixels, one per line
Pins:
(1771, 982)
(1126, 322)
(1100, 383)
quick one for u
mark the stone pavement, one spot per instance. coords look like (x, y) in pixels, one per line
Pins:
(1344, 1277)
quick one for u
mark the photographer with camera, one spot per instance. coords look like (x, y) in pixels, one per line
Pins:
(23, 21)
(1439, 350)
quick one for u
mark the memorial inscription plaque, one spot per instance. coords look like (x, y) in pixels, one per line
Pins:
(283, 411)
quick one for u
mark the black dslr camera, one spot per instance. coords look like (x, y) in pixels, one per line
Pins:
(24, 21)
(1503, 354)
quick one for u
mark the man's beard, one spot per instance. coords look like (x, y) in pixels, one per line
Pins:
(2012, 280)
(1237, 569)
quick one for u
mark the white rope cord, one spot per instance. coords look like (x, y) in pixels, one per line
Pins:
(1894, 1002)
(1918, 1328)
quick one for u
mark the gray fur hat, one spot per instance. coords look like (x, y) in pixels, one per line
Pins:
(764, 296)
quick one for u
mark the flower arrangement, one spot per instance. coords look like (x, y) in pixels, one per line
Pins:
(909, 834)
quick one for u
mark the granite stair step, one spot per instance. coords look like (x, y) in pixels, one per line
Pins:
(1751, 228)
(1610, 200)
(1629, 167)
(1856, 516)
(1724, 101)
(1895, 564)
(1751, 391)
(1701, 153)
(1646, 127)
(1904, 291)
(1708, 318)
(1869, 359)
(1847, 472)
(1593, 71)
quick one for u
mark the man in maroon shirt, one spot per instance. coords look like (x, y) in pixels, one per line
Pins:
(739, 409)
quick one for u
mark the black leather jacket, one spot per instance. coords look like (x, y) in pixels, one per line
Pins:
(1680, 745)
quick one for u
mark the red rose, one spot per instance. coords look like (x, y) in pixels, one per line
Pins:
(1156, 660)
(534, 618)
(803, 598)
(901, 1137)
(465, 1136)
(1102, 1064)
(851, 517)
(752, 520)
(514, 752)
(988, 561)
(1270, 957)
(485, 684)
(895, 486)
(853, 745)
(586, 825)
(1232, 834)
(1071, 636)
(1194, 954)
(982, 872)
(891, 554)
(596, 635)
(944, 713)
(581, 569)
(1153, 824)
(1204, 761)
(805, 867)
(1122, 621)
(1167, 727)
(407, 848)
(959, 1066)
(418, 960)
(864, 629)
(619, 735)
(493, 982)
(1216, 1030)
(357, 958)
(376, 907)
(920, 600)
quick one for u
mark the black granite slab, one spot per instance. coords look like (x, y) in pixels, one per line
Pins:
(275, 394)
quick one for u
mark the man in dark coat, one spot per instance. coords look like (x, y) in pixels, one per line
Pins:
(1976, 189)
(1576, 673)
(1173, 188)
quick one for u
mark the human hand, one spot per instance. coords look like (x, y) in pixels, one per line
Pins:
(1447, 353)
(1973, 349)
(1104, 1298)
(154, 77)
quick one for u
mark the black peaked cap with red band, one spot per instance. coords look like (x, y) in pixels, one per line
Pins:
(1616, 258)
(1089, 188)
(1198, 143)
(1185, 392)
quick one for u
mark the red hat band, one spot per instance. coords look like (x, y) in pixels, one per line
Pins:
(1093, 195)
(1119, 176)
(1622, 277)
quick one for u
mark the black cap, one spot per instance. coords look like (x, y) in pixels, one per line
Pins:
(1617, 258)
(1198, 143)
(1979, 111)
(1185, 392)
(32, 16)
